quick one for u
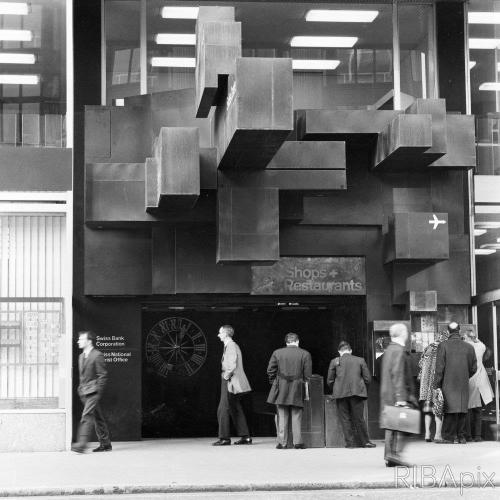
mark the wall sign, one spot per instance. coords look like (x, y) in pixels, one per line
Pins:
(177, 345)
(311, 276)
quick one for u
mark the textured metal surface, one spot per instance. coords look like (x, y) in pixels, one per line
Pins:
(309, 155)
(248, 225)
(163, 259)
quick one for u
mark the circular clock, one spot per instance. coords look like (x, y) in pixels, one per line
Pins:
(176, 345)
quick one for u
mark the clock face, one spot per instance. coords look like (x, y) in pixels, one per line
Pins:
(176, 345)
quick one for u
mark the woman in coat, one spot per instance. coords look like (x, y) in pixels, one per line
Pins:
(480, 391)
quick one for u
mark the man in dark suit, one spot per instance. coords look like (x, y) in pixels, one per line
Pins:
(455, 364)
(396, 389)
(289, 370)
(93, 376)
(349, 377)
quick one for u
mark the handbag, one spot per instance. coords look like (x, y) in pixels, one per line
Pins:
(400, 418)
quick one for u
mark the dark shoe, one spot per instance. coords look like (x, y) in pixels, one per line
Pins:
(279, 446)
(369, 445)
(462, 441)
(78, 448)
(351, 446)
(455, 441)
(222, 442)
(428, 440)
(443, 441)
(244, 441)
(299, 446)
(478, 440)
(395, 462)
(103, 447)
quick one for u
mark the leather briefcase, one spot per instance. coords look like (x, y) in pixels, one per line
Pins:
(400, 418)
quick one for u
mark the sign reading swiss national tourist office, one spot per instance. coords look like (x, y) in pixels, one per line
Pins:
(311, 276)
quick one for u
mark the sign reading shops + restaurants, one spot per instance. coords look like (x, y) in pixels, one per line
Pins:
(311, 276)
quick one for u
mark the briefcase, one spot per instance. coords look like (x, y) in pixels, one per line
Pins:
(399, 418)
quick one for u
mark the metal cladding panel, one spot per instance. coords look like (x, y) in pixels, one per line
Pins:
(287, 180)
(248, 225)
(163, 259)
(215, 13)
(151, 183)
(117, 262)
(460, 142)
(323, 124)
(403, 141)
(309, 155)
(178, 154)
(218, 45)
(208, 168)
(437, 109)
(97, 132)
(420, 236)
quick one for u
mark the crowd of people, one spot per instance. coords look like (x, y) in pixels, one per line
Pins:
(453, 387)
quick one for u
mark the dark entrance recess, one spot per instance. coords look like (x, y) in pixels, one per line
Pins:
(184, 404)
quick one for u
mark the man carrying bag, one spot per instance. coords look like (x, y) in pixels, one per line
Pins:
(396, 395)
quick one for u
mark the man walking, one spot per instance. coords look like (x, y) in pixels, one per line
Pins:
(233, 383)
(396, 389)
(289, 370)
(455, 364)
(349, 377)
(93, 376)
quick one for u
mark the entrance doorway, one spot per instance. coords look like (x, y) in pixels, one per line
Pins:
(181, 357)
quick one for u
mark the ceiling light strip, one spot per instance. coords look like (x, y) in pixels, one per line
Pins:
(19, 79)
(175, 39)
(14, 8)
(314, 64)
(173, 62)
(323, 41)
(16, 35)
(341, 16)
(484, 17)
(15, 58)
(180, 12)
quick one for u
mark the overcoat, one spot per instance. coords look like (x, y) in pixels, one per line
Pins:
(349, 376)
(479, 384)
(289, 368)
(455, 364)
(396, 376)
(232, 369)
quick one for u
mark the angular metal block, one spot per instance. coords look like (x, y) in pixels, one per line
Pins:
(352, 126)
(460, 143)
(257, 115)
(247, 225)
(177, 152)
(287, 180)
(208, 168)
(418, 236)
(403, 141)
(152, 194)
(315, 155)
(218, 45)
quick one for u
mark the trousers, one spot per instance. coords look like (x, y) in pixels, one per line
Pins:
(230, 409)
(92, 418)
(454, 426)
(353, 423)
(394, 444)
(473, 423)
(285, 414)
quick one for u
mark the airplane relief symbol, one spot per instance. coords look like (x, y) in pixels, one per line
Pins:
(436, 221)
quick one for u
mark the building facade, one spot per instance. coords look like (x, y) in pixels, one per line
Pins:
(278, 166)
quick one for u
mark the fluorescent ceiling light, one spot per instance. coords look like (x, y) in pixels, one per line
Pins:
(180, 12)
(491, 246)
(175, 39)
(479, 232)
(341, 16)
(21, 9)
(314, 64)
(19, 79)
(121, 102)
(484, 17)
(16, 35)
(471, 64)
(488, 225)
(324, 41)
(173, 62)
(492, 86)
(484, 251)
(483, 43)
(13, 58)
(487, 209)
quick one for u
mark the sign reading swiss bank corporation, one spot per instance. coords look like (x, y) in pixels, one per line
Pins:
(311, 276)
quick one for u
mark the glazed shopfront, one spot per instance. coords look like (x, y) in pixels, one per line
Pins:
(232, 167)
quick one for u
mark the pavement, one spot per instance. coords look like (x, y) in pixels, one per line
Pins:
(192, 465)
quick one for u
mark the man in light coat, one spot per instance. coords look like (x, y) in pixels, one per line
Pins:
(349, 376)
(289, 370)
(233, 383)
(455, 364)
